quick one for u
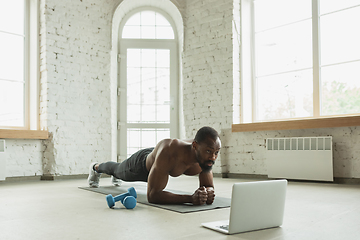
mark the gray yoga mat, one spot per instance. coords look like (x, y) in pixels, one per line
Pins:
(219, 202)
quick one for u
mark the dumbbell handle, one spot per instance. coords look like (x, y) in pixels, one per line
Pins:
(131, 192)
(121, 197)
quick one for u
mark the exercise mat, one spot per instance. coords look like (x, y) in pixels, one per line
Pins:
(219, 202)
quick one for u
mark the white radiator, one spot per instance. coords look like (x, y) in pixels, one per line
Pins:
(2, 160)
(304, 158)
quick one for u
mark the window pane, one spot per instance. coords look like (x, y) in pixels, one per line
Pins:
(134, 20)
(133, 75)
(132, 150)
(133, 141)
(131, 32)
(327, 6)
(340, 86)
(162, 134)
(148, 32)
(284, 49)
(161, 21)
(148, 86)
(11, 104)
(148, 25)
(139, 138)
(148, 113)
(148, 76)
(11, 57)
(284, 96)
(147, 18)
(133, 57)
(340, 36)
(274, 13)
(163, 58)
(163, 113)
(12, 16)
(164, 33)
(134, 138)
(133, 113)
(284, 54)
(148, 57)
(163, 86)
(148, 138)
(134, 96)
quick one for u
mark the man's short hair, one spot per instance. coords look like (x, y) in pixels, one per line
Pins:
(204, 133)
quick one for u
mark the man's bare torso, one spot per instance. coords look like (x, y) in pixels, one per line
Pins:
(177, 154)
(174, 157)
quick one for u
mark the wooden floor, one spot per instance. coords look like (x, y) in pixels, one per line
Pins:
(59, 210)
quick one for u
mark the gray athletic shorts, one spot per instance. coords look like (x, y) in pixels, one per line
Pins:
(130, 170)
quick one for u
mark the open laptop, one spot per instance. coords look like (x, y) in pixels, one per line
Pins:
(254, 206)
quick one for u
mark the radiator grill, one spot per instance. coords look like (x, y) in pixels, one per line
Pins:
(305, 158)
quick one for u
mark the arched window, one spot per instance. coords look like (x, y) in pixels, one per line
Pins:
(148, 92)
(148, 25)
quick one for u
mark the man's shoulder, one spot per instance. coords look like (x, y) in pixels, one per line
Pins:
(171, 146)
(171, 142)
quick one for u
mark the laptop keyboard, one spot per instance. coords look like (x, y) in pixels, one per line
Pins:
(225, 227)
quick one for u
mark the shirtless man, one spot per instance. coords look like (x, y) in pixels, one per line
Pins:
(170, 157)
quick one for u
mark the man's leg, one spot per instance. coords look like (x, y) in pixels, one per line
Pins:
(132, 169)
(115, 181)
(94, 177)
(108, 168)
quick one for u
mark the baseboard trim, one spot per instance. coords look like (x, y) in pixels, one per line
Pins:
(355, 181)
(337, 180)
(50, 177)
(22, 178)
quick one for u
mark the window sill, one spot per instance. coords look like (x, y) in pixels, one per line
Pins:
(332, 122)
(23, 134)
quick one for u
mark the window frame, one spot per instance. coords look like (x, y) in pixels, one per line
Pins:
(127, 43)
(247, 116)
(31, 68)
(31, 129)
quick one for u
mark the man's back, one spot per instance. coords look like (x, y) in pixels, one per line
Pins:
(173, 154)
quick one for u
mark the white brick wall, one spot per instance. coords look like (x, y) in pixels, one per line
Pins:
(23, 158)
(208, 66)
(75, 96)
(74, 101)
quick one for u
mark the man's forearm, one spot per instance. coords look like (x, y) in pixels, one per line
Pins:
(164, 197)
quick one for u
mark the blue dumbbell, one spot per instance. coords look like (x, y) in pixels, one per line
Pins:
(127, 199)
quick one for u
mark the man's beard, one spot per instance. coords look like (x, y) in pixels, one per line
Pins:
(205, 167)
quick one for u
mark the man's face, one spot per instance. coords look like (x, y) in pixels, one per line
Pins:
(207, 152)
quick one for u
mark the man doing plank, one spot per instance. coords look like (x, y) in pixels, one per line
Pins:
(170, 157)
